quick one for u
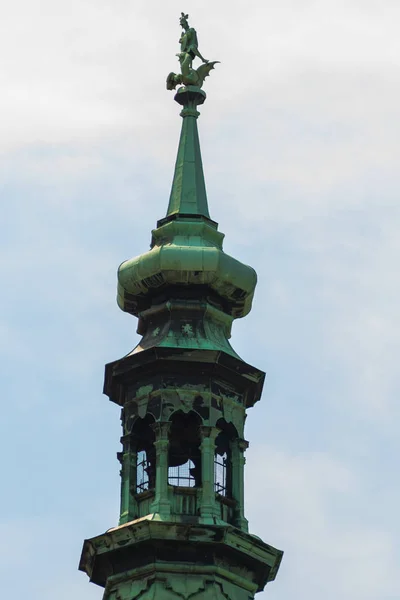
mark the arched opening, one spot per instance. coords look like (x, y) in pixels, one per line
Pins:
(182, 475)
(223, 459)
(143, 436)
(142, 472)
(184, 456)
(222, 465)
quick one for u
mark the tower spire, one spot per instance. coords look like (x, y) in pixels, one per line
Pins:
(188, 193)
(184, 394)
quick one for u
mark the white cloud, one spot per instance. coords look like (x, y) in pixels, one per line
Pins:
(303, 503)
(300, 145)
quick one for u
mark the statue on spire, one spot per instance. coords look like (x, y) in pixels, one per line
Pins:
(189, 51)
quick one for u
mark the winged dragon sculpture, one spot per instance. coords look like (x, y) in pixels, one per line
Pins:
(189, 51)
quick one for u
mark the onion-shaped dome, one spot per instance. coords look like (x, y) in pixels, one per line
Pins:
(186, 248)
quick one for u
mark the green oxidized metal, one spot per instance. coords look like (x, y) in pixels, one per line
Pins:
(184, 393)
(186, 247)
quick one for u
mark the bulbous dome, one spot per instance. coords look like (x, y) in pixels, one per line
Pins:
(186, 250)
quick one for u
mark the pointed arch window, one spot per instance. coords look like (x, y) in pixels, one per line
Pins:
(184, 457)
(223, 459)
(143, 436)
(142, 472)
(220, 473)
(182, 475)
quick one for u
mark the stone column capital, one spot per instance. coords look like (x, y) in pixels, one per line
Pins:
(161, 430)
(207, 432)
(242, 445)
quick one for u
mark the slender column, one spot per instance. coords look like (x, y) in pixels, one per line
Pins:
(161, 504)
(208, 506)
(238, 461)
(128, 459)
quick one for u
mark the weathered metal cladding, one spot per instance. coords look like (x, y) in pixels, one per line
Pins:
(185, 323)
(188, 192)
(162, 380)
(153, 559)
(186, 248)
(187, 260)
(157, 385)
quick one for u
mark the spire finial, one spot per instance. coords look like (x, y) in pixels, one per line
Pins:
(188, 193)
(189, 51)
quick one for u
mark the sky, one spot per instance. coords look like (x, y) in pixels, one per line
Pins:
(300, 142)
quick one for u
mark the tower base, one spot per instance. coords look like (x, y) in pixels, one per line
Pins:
(151, 560)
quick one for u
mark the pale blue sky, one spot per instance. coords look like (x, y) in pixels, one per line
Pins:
(300, 149)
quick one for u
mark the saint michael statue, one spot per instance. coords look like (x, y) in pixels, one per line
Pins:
(189, 51)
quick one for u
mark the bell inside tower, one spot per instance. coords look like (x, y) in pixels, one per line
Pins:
(184, 455)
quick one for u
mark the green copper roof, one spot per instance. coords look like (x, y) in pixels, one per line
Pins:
(186, 248)
(188, 193)
(184, 393)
